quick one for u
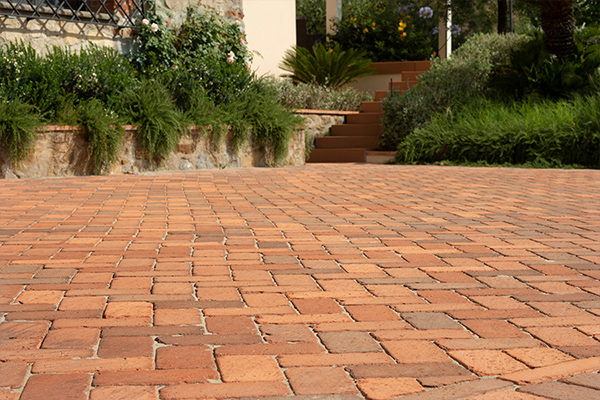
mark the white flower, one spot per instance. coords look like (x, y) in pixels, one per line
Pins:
(154, 27)
(425, 12)
(145, 22)
(231, 57)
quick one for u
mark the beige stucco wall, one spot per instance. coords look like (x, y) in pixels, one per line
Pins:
(270, 30)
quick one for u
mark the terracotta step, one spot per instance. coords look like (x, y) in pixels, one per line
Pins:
(364, 118)
(411, 75)
(370, 106)
(356, 130)
(347, 142)
(336, 155)
(381, 94)
(402, 86)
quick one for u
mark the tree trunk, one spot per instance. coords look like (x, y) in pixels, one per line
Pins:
(558, 24)
(502, 16)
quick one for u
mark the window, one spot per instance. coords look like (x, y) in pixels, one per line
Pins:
(118, 13)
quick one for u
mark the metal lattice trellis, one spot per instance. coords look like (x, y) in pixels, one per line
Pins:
(118, 13)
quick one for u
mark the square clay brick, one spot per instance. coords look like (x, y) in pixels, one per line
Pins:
(167, 316)
(230, 325)
(126, 346)
(320, 381)
(83, 303)
(317, 306)
(350, 342)
(12, 374)
(265, 300)
(249, 368)
(40, 297)
(183, 357)
(388, 388)
(416, 351)
(129, 309)
(124, 392)
(57, 387)
(487, 362)
(539, 356)
(287, 333)
(77, 338)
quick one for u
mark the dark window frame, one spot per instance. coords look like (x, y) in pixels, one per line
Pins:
(116, 13)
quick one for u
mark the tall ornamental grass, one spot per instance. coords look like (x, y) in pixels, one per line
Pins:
(533, 133)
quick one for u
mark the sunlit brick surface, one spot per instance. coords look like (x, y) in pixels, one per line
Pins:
(323, 282)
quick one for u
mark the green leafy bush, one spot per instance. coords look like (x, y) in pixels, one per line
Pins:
(305, 96)
(533, 71)
(331, 68)
(206, 47)
(62, 78)
(104, 134)
(160, 123)
(543, 134)
(315, 13)
(445, 86)
(18, 123)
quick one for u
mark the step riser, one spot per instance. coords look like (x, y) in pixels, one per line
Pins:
(356, 130)
(364, 118)
(347, 142)
(336, 155)
(370, 106)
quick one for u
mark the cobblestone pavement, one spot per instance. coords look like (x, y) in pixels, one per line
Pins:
(320, 282)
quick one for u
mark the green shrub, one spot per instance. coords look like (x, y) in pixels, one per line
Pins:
(160, 123)
(63, 78)
(533, 71)
(104, 134)
(18, 123)
(331, 68)
(446, 85)
(305, 96)
(272, 124)
(206, 47)
(315, 13)
(544, 134)
(387, 30)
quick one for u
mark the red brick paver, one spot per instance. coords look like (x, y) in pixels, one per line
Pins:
(322, 282)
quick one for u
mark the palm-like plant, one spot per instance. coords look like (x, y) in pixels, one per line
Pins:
(558, 23)
(332, 68)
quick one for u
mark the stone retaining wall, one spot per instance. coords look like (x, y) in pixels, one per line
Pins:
(63, 151)
(319, 122)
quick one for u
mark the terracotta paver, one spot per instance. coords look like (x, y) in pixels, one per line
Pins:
(324, 282)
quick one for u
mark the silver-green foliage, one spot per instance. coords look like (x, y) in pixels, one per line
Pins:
(312, 97)
(446, 85)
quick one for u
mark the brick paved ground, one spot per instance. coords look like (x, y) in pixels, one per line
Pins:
(320, 282)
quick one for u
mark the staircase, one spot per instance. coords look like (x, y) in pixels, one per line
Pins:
(357, 139)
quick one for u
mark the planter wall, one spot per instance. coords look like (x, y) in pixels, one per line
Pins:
(319, 122)
(63, 151)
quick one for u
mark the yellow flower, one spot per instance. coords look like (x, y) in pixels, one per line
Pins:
(366, 30)
(402, 24)
(400, 28)
(403, 34)
(373, 24)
